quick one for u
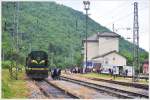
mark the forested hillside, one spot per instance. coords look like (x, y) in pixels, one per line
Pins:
(51, 27)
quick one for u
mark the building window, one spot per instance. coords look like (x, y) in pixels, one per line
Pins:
(113, 58)
(106, 62)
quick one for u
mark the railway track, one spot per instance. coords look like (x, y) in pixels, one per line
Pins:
(136, 85)
(51, 91)
(114, 91)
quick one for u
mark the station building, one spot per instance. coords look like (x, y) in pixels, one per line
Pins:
(103, 51)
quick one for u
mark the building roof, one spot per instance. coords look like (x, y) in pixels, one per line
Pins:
(94, 38)
(108, 34)
(103, 55)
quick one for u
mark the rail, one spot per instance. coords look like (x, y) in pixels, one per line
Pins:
(114, 91)
(52, 91)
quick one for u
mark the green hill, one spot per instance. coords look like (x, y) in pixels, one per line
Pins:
(52, 27)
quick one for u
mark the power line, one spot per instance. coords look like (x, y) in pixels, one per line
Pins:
(124, 17)
(120, 18)
(116, 8)
(114, 11)
(119, 10)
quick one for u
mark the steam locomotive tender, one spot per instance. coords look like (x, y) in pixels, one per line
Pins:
(37, 65)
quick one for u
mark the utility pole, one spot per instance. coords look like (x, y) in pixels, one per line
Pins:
(14, 27)
(113, 28)
(14, 66)
(13, 44)
(135, 42)
(17, 30)
(17, 26)
(86, 8)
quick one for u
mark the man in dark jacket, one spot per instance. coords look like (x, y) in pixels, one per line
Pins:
(54, 74)
(126, 72)
(110, 71)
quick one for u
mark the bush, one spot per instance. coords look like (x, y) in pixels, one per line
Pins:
(6, 64)
(6, 90)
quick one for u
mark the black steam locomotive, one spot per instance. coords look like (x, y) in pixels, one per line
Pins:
(37, 65)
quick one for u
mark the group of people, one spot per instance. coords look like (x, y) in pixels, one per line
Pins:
(112, 72)
(55, 73)
(76, 70)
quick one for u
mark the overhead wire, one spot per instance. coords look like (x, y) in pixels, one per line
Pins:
(115, 10)
(126, 16)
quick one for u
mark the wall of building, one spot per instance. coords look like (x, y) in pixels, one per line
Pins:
(92, 50)
(114, 59)
(107, 44)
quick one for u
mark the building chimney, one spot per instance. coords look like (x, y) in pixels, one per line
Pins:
(98, 33)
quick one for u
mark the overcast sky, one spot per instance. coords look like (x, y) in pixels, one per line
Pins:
(119, 13)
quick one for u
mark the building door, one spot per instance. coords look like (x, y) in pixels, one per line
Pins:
(120, 70)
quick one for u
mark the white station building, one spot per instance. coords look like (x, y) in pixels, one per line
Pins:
(103, 51)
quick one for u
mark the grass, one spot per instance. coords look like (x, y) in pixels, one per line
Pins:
(13, 88)
(109, 77)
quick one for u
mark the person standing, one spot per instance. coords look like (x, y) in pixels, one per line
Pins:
(114, 72)
(126, 72)
(110, 71)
